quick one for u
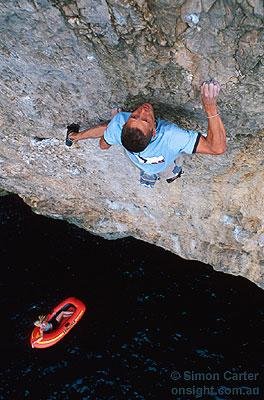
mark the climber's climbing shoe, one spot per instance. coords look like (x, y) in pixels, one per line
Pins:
(177, 172)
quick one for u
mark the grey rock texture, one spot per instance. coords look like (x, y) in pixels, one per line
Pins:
(65, 61)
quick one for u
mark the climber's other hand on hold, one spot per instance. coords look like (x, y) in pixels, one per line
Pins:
(209, 94)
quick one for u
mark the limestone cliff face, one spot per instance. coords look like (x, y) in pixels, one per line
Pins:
(65, 61)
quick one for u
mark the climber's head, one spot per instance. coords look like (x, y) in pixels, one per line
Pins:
(139, 128)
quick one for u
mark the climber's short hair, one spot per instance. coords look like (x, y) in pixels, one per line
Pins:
(133, 139)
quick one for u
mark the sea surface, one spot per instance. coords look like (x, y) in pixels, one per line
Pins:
(156, 326)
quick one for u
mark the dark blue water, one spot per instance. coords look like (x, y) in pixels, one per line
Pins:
(156, 326)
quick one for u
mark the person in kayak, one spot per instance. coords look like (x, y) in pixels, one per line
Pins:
(47, 326)
(154, 144)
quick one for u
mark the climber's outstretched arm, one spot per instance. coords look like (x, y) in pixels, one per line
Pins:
(92, 133)
(215, 141)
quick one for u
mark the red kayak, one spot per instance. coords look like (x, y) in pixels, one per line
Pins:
(76, 308)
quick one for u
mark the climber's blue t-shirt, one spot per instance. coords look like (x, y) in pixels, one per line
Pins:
(170, 140)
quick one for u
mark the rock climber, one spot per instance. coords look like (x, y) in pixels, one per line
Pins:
(154, 145)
